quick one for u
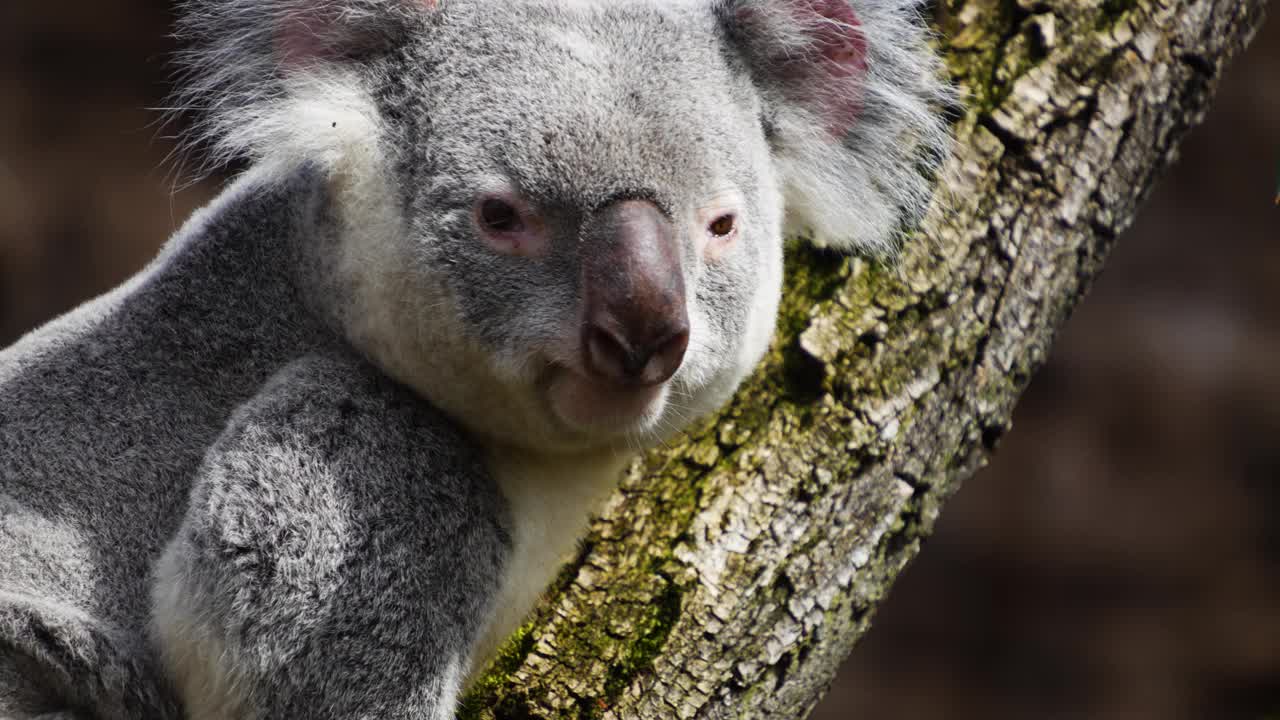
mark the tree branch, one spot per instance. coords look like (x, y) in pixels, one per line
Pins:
(734, 570)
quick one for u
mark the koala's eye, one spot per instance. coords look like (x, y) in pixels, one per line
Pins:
(499, 216)
(507, 224)
(723, 225)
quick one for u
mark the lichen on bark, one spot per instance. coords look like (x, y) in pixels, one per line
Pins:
(735, 568)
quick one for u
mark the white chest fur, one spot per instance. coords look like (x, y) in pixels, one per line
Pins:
(551, 500)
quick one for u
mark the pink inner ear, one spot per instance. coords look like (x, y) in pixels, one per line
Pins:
(299, 39)
(840, 39)
(320, 32)
(830, 79)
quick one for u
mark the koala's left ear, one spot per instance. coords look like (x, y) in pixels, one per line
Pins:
(854, 101)
(288, 77)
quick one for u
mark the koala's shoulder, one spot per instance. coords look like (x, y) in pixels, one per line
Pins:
(332, 469)
(339, 527)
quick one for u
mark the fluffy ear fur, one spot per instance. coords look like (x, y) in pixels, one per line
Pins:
(854, 100)
(285, 78)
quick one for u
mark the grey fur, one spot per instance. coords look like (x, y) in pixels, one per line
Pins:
(272, 475)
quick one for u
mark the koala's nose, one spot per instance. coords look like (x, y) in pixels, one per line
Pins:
(635, 325)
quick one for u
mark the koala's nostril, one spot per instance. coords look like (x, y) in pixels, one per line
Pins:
(636, 360)
(668, 355)
(608, 356)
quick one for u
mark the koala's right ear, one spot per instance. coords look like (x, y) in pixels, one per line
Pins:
(285, 76)
(854, 101)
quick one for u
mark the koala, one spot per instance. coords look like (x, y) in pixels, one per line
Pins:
(321, 456)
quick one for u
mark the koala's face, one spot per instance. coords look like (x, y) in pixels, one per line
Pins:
(593, 246)
(564, 218)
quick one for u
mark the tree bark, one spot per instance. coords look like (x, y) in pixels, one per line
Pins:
(734, 569)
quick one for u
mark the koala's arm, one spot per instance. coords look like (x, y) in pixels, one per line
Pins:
(338, 556)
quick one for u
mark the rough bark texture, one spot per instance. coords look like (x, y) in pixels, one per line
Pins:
(735, 569)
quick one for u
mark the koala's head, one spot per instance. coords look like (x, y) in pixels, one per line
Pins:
(562, 220)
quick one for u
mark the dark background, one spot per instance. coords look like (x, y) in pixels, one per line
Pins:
(1120, 558)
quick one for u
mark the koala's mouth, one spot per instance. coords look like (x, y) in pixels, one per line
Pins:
(599, 408)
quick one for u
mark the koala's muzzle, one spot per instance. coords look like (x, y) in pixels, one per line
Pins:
(635, 326)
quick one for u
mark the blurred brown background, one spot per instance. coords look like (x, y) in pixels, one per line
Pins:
(1119, 559)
